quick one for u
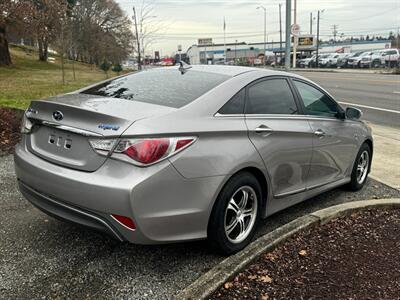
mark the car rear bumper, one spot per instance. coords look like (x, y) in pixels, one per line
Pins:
(165, 206)
(67, 212)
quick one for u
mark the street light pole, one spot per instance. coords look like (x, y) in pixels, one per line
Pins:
(280, 33)
(137, 40)
(265, 29)
(317, 57)
(294, 37)
(287, 33)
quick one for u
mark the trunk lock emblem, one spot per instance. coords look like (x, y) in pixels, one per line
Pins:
(58, 115)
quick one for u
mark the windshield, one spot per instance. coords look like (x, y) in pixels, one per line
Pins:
(167, 87)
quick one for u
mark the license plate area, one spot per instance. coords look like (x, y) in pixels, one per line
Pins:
(60, 141)
(64, 148)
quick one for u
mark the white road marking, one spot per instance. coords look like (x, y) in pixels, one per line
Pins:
(396, 92)
(371, 107)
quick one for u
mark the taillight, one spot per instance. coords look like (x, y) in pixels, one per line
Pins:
(147, 151)
(142, 152)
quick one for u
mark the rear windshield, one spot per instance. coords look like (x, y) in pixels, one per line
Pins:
(167, 87)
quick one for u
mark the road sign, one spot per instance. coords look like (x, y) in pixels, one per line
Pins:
(206, 41)
(295, 29)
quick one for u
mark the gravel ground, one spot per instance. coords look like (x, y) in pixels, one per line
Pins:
(10, 124)
(315, 264)
(41, 257)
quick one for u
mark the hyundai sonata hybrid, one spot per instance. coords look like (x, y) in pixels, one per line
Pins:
(188, 153)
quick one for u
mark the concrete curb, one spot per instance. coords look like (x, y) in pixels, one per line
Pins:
(206, 284)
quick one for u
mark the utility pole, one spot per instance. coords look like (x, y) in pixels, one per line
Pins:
(235, 49)
(265, 29)
(287, 33)
(294, 37)
(224, 42)
(334, 31)
(137, 40)
(280, 32)
(311, 23)
(317, 57)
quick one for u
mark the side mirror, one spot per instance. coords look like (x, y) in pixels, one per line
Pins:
(353, 113)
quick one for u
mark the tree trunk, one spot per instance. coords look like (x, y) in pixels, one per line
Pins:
(43, 49)
(5, 58)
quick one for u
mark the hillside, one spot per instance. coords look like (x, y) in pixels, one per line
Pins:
(28, 78)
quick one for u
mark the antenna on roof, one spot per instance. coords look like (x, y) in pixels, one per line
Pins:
(183, 67)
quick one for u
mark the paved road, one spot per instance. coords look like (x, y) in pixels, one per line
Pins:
(42, 258)
(378, 96)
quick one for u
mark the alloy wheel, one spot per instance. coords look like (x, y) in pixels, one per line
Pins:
(240, 214)
(362, 167)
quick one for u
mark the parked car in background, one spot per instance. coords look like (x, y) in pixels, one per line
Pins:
(355, 61)
(374, 59)
(323, 60)
(391, 57)
(307, 62)
(333, 59)
(188, 153)
(342, 61)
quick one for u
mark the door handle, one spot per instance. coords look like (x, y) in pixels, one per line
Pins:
(263, 129)
(320, 133)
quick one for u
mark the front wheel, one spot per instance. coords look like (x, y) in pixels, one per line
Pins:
(235, 214)
(376, 64)
(360, 168)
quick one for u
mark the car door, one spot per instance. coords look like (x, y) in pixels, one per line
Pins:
(334, 140)
(282, 136)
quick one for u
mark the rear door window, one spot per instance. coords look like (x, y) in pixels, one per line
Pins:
(167, 87)
(271, 96)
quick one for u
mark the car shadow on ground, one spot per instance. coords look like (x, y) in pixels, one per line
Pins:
(58, 259)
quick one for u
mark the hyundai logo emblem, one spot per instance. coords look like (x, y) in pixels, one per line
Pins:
(58, 115)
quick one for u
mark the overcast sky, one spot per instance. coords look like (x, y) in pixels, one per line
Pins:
(184, 21)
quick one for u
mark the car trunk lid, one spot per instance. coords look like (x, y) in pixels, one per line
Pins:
(64, 125)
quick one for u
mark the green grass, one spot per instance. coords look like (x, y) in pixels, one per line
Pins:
(29, 79)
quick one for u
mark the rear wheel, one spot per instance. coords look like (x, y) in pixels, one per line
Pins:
(235, 214)
(360, 168)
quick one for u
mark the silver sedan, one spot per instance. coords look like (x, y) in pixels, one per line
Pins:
(189, 152)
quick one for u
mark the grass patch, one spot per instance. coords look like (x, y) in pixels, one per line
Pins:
(29, 79)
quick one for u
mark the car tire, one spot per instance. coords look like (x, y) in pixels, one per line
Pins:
(376, 64)
(361, 168)
(222, 233)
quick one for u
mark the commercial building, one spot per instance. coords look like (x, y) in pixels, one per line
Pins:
(210, 53)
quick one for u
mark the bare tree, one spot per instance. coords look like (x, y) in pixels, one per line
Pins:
(147, 27)
(12, 12)
(45, 23)
(101, 31)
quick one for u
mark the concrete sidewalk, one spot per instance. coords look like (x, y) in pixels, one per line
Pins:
(386, 159)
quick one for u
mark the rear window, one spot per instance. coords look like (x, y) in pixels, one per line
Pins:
(167, 87)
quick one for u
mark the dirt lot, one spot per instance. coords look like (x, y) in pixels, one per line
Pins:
(349, 258)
